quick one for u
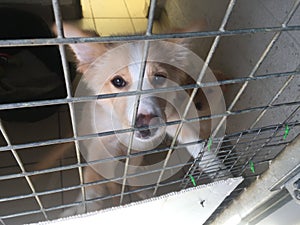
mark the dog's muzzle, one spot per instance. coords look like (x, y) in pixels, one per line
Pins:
(147, 125)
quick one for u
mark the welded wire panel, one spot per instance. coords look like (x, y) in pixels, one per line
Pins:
(43, 165)
(164, 206)
(246, 153)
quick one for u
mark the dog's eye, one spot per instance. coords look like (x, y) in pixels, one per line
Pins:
(159, 79)
(118, 82)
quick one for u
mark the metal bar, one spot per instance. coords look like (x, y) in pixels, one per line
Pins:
(284, 86)
(90, 136)
(63, 168)
(70, 188)
(200, 77)
(136, 105)
(22, 168)
(289, 16)
(60, 34)
(142, 92)
(203, 34)
(259, 62)
(240, 143)
(20, 214)
(79, 203)
(139, 88)
(90, 200)
(259, 189)
(247, 148)
(267, 208)
(65, 205)
(256, 66)
(191, 171)
(218, 147)
(234, 147)
(70, 100)
(151, 18)
(287, 119)
(59, 190)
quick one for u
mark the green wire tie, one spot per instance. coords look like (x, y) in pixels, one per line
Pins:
(209, 143)
(193, 180)
(286, 132)
(252, 167)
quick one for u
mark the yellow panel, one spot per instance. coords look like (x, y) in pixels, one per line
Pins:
(86, 9)
(140, 25)
(86, 24)
(137, 8)
(115, 16)
(109, 9)
(106, 27)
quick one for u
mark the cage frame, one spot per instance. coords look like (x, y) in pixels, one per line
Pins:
(62, 41)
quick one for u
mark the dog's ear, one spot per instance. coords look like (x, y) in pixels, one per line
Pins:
(200, 25)
(182, 55)
(86, 53)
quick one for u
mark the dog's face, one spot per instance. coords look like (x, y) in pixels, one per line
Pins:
(120, 68)
(148, 108)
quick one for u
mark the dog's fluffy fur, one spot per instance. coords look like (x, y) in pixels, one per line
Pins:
(106, 70)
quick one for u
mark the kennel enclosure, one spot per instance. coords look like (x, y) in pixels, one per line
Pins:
(256, 44)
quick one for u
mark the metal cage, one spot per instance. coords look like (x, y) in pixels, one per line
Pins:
(246, 152)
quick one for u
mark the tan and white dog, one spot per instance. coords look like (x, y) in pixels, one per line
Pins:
(139, 69)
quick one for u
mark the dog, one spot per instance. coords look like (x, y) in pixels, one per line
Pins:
(130, 68)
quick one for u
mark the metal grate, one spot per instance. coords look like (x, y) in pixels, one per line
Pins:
(245, 153)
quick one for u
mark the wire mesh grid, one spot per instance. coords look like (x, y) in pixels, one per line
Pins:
(245, 153)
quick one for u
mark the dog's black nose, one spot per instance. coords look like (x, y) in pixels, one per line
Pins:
(144, 122)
